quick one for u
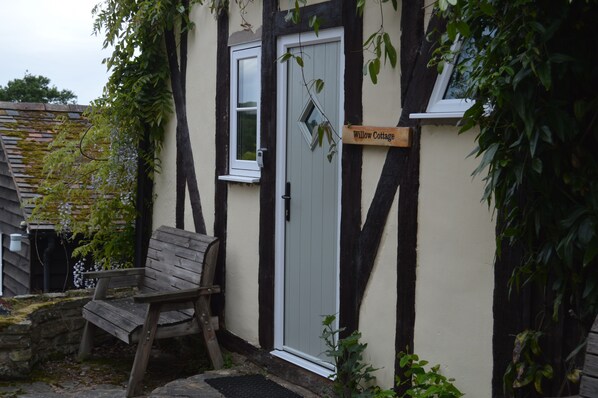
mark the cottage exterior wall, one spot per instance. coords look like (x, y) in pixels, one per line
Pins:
(456, 243)
(201, 92)
(165, 181)
(455, 238)
(242, 262)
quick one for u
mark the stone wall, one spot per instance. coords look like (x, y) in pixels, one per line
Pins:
(52, 325)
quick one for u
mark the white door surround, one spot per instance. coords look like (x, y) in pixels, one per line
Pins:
(309, 362)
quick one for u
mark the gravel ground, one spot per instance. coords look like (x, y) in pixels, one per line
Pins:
(108, 369)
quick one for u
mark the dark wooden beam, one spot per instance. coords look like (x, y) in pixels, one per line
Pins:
(143, 200)
(181, 183)
(412, 35)
(352, 156)
(328, 12)
(222, 151)
(267, 180)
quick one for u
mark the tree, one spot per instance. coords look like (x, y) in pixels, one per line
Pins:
(146, 36)
(35, 89)
(92, 190)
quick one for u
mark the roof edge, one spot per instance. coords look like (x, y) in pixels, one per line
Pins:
(33, 106)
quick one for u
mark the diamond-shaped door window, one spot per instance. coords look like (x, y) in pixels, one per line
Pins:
(310, 119)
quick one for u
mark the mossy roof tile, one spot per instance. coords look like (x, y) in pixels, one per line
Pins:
(26, 130)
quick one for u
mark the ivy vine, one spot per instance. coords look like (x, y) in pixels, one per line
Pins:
(533, 78)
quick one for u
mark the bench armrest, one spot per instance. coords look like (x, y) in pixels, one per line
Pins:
(111, 273)
(176, 296)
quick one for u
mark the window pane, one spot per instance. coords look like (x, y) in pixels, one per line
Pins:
(247, 95)
(246, 134)
(457, 86)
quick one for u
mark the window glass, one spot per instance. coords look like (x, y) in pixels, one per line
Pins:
(248, 89)
(457, 85)
(246, 134)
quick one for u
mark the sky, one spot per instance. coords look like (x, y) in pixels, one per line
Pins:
(53, 38)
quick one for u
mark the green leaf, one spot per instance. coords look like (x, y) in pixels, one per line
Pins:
(374, 68)
(389, 51)
(538, 382)
(589, 287)
(370, 39)
(487, 8)
(463, 29)
(544, 74)
(590, 253)
(299, 60)
(586, 231)
(451, 30)
(285, 57)
(360, 7)
(314, 23)
(537, 165)
(319, 85)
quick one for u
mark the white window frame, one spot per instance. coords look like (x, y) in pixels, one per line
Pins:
(438, 106)
(247, 171)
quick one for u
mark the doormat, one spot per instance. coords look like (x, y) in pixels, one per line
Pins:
(250, 386)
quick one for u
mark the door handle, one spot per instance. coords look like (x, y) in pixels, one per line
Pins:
(287, 201)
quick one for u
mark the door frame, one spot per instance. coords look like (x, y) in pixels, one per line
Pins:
(283, 43)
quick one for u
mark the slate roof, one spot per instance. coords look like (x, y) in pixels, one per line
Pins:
(26, 130)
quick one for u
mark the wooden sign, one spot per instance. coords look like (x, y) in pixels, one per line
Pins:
(381, 136)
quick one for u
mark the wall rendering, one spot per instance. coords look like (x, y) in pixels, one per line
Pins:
(455, 263)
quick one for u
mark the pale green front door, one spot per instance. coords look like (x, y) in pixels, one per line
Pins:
(312, 213)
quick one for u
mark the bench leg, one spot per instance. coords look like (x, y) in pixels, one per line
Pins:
(144, 348)
(204, 316)
(86, 341)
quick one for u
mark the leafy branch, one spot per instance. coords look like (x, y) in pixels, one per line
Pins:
(379, 44)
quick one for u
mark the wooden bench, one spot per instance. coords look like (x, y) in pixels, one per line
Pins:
(173, 300)
(589, 377)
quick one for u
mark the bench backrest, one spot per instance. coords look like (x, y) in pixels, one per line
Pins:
(178, 259)
(589, 378)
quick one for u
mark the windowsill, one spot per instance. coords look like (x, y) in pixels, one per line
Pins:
(437, 115)
(438, 118)
(242, 179)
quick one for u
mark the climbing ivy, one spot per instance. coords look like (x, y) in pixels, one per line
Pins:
(534, 80)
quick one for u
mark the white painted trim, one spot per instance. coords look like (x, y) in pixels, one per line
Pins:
(239, 167)
(285, 42)
(437, 115)
(438, 107)
(243, 179)
(305, 364)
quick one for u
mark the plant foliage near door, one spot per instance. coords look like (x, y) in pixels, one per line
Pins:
(352, 377)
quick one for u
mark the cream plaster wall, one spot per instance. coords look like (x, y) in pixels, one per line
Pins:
(201, 94)
(242, 262)
(164, 181)
(382, 101)
(377, 316)
(201, 100)
(252, 14)
(381, 107)
(453, 325)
